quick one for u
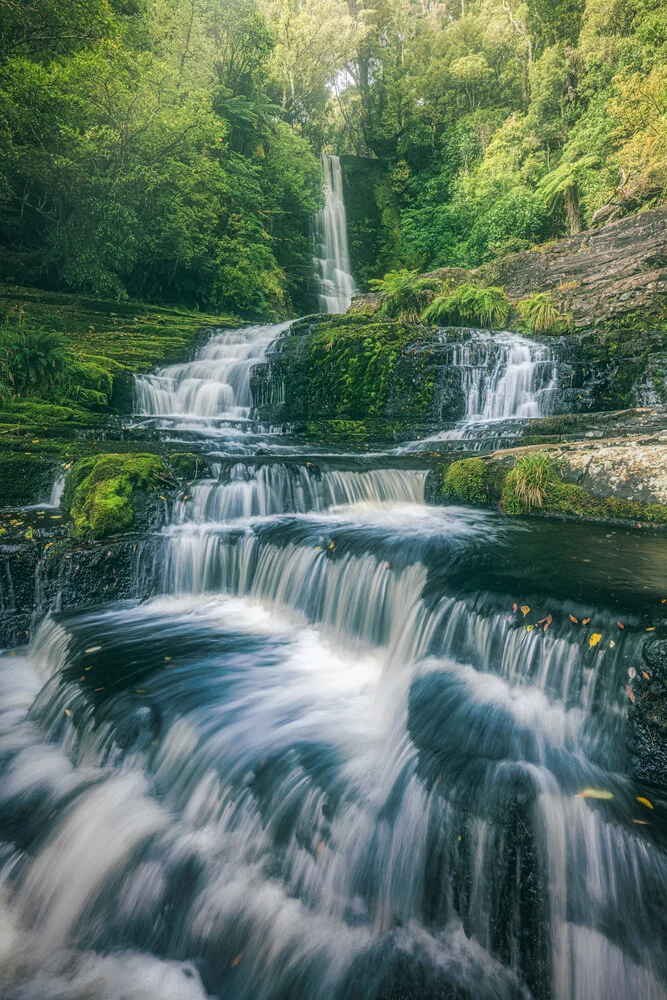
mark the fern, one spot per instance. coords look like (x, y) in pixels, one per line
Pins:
(486, 307)
(403, 294)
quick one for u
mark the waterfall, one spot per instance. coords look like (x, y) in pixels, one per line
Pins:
(346, 750)
(332, 261)
(505, 376)
(215, 384)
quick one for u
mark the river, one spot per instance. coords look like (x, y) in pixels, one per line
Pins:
(328, 759)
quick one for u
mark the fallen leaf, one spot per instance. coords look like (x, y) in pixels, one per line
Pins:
(573, 619)
(529, 628)
(632, 673)
(594, 793)
(515, 607)
(320, 846)
(630, 693)
(545, 627)
(644, 802)
(68, 713)
(646, 676)
(594, 639)
(237, 959)
(92, 649)
(550, 618)
(612, 643)
(524, 610)
(585, 621)
(620, 624)
(648, 629)
(641, 822)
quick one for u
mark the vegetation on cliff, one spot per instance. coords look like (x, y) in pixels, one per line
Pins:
(533, 483)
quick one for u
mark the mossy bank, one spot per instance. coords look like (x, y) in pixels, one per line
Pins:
(67, 361)
(615, 481)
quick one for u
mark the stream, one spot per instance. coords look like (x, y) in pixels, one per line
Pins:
(329, 760)
(345, 745)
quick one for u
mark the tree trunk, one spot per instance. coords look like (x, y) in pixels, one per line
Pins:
(572, 212)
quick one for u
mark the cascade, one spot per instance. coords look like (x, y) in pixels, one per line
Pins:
(332, 260)
(327, 758)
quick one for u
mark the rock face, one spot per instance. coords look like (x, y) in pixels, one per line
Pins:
(610, 277)
(405, 379)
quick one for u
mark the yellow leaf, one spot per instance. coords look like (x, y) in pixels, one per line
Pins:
(524, 609)
(529, 628)
(594, 793)
(644, 802)
(594, 639)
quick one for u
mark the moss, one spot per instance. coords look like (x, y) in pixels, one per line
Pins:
(465, 482)
(102, 491)
(352, 369)
(102, 341)
(535, 482)
(185, 465)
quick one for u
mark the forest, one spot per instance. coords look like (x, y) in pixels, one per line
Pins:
(167, 150)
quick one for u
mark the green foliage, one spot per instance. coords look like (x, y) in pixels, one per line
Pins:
(31, 358)
(102, 492)
(528, 483)
(140, 157)
(540, 315)
(403, 294)
(465, 482)
(485, 307)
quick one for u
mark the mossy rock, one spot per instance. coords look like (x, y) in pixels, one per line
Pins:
(104, 493)
(465, 481)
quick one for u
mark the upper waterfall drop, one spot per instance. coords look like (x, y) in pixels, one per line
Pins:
(332, 259)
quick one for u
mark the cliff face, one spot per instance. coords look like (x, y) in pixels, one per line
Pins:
(614, 277)
(398, 380)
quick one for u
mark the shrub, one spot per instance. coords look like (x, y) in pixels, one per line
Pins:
(31, 358)
(487, 307)
(403, 294)
(465, 482)
(540, 315)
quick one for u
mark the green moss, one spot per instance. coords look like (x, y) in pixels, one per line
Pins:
(100, 340)
(535, 482)
(353, 369)
(102, 491)
(465, 482)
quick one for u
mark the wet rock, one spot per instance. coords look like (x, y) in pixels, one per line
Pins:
(648, 717)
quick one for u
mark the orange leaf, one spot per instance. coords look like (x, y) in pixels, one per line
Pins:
(515, 607)
(646, 676)
(630, 693)
(585, 621)
(237, 959)
(550, 618)
(573, 619)
(641, 822)
(620, 624)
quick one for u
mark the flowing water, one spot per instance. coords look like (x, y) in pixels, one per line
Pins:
(332, 260)
(327, 760)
